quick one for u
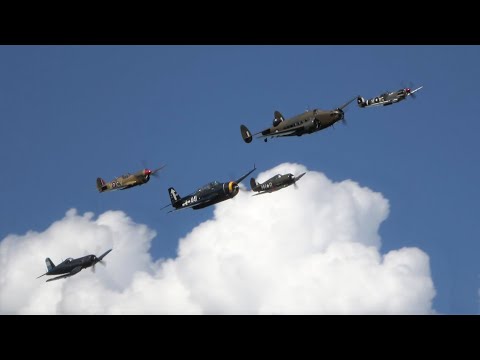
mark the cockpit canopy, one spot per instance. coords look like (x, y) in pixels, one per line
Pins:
(69, 260)
(208, 186)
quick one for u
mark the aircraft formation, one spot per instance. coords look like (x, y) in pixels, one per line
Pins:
(214, 192)
(315, 120)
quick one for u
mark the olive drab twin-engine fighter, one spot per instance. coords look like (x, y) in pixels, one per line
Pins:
(388, 98)
(71, 266)
(309, 122)
(127, 180)
(275, 183)
(212, 193)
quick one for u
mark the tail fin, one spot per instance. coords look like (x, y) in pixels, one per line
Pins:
(246, 134)
(101, 185)
(174, 197)
(361, 101)
(50, 264)
(253, 184)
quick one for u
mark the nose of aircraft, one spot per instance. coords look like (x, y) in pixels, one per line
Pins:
(233, 188)
(339, 114)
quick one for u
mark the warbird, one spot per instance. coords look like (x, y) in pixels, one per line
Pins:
(71, 266)
(309, 122)
(127, 180)
(212, 193)
(275, 183)
(388, 98)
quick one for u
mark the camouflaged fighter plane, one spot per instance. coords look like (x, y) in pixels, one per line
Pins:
(212, 193)
(275, 183)
(309, 122)
(388, 98)
(71, 266)
(127, 180)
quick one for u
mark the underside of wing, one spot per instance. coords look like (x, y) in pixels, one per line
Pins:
(279, 133)
(261, 193)
(73, 272)
(376, 103)
(60, 277)
(126, 187)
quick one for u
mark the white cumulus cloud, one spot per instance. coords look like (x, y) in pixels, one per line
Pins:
(313, 249)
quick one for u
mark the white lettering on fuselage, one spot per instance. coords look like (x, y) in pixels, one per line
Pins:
(190, 201)
(266, 186)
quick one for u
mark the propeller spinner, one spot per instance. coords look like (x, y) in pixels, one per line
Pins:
(233, 188)
(147, 172)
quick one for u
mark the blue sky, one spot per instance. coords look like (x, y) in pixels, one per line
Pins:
(72, 113)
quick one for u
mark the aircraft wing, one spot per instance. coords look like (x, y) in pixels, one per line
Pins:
(103, 255)
(60, 277)
(127, 186)
(280, 133)
(371, 103)
(376, 104)
(288, 132)
(244, 176)
(73, 272)
(263, 192)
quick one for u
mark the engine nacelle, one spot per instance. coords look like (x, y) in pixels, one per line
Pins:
(310, 125)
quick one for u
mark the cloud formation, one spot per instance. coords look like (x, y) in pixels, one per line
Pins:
(314, 249)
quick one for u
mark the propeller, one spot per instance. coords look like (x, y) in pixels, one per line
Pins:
(340, 112)
(409, 88)
(96, 260)
(344, 121)
(149, 172)
(100, 260)
(296, 179)
(154, 172)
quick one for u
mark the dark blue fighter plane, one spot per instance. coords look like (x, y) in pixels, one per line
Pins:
(72, 266)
